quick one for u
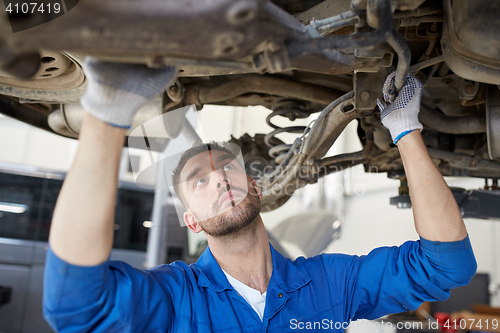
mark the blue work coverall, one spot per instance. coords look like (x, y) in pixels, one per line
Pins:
(328, 289)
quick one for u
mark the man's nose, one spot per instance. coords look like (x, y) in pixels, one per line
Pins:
(221, 180)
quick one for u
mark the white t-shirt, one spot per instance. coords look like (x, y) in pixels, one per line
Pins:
(253, 297)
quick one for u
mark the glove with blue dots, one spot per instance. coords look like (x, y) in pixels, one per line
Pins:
(115, 92)
(399, 112)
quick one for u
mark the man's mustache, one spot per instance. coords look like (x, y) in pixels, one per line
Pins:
(227, 188)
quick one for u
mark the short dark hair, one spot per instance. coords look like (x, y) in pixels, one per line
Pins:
(187, 155)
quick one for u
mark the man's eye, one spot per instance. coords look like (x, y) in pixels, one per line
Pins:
(199, 182)
(227, 167)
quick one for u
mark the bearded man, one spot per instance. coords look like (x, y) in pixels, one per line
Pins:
(240, 283)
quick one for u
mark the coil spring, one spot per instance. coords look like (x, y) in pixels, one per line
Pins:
(292, 112)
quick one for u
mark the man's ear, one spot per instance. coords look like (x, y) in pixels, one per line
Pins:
(191, 222)
(256, 187)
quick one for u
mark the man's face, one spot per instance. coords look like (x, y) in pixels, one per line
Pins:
(218, 193)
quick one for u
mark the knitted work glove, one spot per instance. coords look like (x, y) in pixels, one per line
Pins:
(399, 112)
(115, 92)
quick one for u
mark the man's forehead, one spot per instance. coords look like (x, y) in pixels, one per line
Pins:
(209, 159)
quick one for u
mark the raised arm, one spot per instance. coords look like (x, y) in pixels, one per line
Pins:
(435, 211)
(82, 225)
(83, 291)
(399, 278)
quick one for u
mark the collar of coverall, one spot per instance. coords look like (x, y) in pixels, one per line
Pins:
(285, 273)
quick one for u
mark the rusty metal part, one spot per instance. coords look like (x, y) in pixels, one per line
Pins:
(324, 10)
(404, 58)
(340, 166)
(442, 93)
(384, 161)
(381, 56)
(35, 115)
(426, 63)
(255, 154)
(359, 40)
(160, 27)
(310, 140)
(269, 85)
(376, 17)
(329, 28)
(409, 22)
(176, 91)
(276, 194)
(493, 123)
(480, 96)
(333, 62)
(21, 66)
(188, 67)
(457, 164)
(252, 99)
(367, 88)
(218, 37)
(475, 101)
(406, 6)
(292, 110)
(67, 119)
(329, 130)
(241, 12)
(470, 40)
(58, 122)
(468, 89)
(303, 168)
(451, 125)
(327, 22)
(419, 12)
(358, 156)
(303, 172)
(52, 65)
(59, 79)
(464, 161)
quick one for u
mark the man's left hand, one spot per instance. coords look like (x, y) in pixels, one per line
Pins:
(399, 112)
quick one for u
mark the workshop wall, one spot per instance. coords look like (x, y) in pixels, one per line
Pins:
(24, 144)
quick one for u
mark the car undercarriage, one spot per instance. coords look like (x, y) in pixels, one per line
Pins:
(293, 57)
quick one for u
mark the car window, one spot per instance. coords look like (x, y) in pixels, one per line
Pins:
(27, 206)
(132, 219)
(19, 202)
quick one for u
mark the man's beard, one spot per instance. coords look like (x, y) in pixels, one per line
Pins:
(236, 218)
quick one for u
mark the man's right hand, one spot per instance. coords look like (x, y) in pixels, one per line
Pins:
(115, 91)
(82, 225)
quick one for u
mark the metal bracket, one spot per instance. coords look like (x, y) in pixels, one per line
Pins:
(479, 204)
(367, 88)
(273, 60)
(468, 89)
